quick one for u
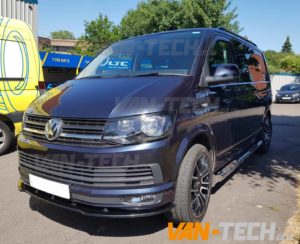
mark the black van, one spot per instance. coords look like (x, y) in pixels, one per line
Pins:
(149, 126)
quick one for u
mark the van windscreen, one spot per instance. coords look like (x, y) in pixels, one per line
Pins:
(170, 53)
(294, 87)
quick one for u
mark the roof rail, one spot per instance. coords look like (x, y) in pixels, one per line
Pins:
(224, 29)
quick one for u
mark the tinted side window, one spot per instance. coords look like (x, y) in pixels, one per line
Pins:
(250, 62)
(242, 56)
(257, 68)
(220, 54)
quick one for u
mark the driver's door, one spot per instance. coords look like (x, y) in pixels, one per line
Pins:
(224, 118)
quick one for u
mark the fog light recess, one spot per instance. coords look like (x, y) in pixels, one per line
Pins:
(141, 199)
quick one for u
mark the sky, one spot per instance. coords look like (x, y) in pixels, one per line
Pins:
(266, 22)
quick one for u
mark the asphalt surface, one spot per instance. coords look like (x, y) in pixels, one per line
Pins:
(262, 190)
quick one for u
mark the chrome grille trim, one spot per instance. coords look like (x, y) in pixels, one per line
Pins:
(81, 136)
(74, 131)
(40, 132)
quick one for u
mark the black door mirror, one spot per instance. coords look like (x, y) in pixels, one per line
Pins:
(224, 73)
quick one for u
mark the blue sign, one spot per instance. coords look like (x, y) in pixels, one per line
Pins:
(30, 1)
(85, 61)
(59, 60)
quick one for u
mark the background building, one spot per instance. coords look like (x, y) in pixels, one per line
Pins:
(58, 64)
(60, 67)
(57, 45)
(25, 10)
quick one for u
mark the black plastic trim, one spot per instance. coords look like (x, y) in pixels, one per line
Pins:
(94, 211)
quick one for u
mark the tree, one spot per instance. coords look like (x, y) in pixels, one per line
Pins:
(151, 16)
(162, 15)
(291, 64)
(46, 48)
(287, 46)
(274, 60)
(99, 33)
(62, 34)
(209, 13)
(282, 62)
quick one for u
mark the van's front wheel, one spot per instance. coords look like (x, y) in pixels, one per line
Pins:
(193, 186)
(6, 138)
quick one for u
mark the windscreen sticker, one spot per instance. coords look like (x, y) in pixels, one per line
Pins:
(146, 64)
(112, 64)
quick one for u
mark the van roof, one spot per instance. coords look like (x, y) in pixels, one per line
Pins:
(16, 21)
(218, 29)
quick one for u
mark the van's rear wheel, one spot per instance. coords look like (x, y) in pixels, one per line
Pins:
(6, 137)
(193, 186)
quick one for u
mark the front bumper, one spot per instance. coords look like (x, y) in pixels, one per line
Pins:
(287, 99)
(91, 210)
(102, 201)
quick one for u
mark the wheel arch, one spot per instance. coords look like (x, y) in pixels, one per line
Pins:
(267, 112)
(201, 135)
(8, 121)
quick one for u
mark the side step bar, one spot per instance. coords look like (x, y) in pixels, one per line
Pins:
(229, 168)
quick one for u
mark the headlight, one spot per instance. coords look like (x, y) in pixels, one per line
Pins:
(296, 95)
(138, 129)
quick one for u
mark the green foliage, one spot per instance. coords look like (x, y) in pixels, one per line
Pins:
(272, 69)
(209, 13)
(62, 34)
(163, 15)
(151, 16)
(46, 48)
(99, 33)
(274, 58)
(291, 64)
(287, 46)
(155, 16)
(282, 62)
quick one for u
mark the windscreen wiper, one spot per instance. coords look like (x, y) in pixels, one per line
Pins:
(90, 77)
(158, 74)
(101, 76)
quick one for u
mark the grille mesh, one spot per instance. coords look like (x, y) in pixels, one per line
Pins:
(69, 172)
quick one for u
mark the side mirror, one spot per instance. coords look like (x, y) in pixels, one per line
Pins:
(224, 73)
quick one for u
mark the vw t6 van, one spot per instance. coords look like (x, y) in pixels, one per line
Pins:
(149, 126)
(20, 72)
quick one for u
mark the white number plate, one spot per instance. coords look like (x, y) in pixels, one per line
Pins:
(51, 187)
(286, 98)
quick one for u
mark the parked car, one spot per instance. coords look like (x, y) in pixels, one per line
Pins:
(20, 74)
(149, 126)
(288, 94)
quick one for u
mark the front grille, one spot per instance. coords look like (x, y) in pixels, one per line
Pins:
(72, 172)
(74, 131)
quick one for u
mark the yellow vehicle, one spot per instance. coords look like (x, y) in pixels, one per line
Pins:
(20, 74)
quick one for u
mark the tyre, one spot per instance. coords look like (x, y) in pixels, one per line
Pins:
(193, 186)
(6, 138)
(266, 136)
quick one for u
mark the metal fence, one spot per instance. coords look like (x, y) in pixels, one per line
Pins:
(279, 80)
(25, 10)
